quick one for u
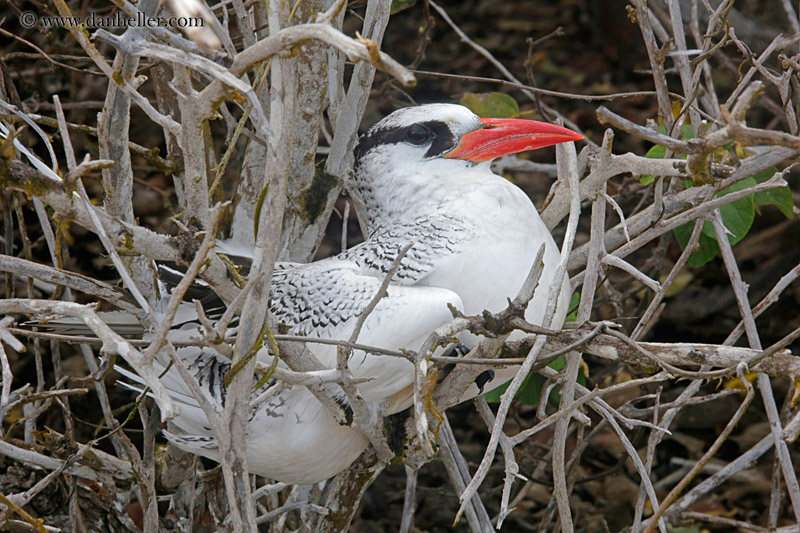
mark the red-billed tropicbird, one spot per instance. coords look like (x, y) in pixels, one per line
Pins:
(424, 178)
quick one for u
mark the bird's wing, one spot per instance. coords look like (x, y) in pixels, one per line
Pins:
(324, 300)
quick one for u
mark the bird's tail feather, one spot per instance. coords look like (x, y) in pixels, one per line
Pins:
(121, 322)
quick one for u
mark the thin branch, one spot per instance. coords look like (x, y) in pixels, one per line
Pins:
(112, 342)
(361, 412)
(720, 440)
(764, 385)
(567, 162)
(409, 500)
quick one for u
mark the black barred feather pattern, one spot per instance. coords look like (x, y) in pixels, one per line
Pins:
(310, 298)
(209, 369)
(435, 237)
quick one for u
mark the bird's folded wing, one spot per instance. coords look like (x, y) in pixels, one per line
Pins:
(325, 299)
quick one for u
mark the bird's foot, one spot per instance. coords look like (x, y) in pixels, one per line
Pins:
(430, 405)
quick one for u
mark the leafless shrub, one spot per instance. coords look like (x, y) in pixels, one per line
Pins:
(278, 83)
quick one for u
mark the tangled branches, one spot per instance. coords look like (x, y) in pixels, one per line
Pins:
(270, 81)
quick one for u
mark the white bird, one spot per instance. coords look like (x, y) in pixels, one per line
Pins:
(423, 175)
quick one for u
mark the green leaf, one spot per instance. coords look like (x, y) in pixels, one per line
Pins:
(659, 152)
(687, 132)
(491, 105)
(572, 315)
(400, 5)
(780, 197)
(707, 247)
(493, 396)
(707, 250)
(655, 152)
(737, 217)
(530, 391)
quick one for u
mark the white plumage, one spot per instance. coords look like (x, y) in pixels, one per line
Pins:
(475, 236)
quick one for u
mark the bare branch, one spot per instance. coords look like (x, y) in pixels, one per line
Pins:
(112, 342)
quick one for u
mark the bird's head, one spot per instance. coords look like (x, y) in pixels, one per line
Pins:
(421, 149)
(448, 131)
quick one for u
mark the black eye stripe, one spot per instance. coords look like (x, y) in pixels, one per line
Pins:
(442, 138)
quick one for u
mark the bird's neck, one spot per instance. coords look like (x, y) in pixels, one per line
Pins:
(390, 205)
(444, 215)
(397, 195)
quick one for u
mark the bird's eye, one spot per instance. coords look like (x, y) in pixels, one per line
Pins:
(418, 134)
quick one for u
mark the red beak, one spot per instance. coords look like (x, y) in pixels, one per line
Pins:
(502, 136)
